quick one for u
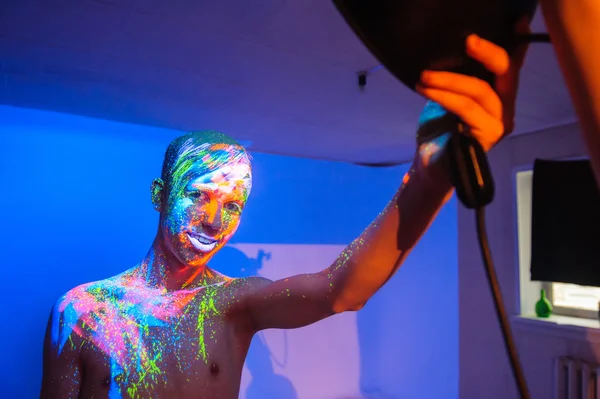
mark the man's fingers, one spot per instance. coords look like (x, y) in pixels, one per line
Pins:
(492, 56)
(477, 89)
(471, 113)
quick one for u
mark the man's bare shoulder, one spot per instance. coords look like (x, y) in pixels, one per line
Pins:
(244, 286)
(236, 292)
(86, 297)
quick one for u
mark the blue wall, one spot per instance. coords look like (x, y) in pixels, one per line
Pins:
(76, 208)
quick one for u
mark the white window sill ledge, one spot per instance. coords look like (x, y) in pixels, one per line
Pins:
(573, 328)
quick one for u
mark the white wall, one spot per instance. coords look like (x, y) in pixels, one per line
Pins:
(484, 367)
(308, 358)
(75, 207)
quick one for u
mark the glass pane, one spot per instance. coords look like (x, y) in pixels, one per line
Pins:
(575, 296)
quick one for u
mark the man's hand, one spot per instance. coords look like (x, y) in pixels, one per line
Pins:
(488, 111)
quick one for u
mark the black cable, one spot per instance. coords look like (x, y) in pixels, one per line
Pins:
(499, 304)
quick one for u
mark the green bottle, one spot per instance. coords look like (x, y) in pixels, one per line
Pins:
(543, 307)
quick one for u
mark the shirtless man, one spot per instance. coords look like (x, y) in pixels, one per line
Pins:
(171, 327)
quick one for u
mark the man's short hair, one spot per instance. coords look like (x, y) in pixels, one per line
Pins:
(206, 150)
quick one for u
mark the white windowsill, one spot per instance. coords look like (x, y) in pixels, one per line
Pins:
(573, 328)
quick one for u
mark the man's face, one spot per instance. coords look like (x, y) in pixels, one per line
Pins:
(203, 212)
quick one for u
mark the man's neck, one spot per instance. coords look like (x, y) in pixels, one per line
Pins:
(162, 270)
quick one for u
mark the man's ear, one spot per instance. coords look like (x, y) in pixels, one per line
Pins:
(157, 190)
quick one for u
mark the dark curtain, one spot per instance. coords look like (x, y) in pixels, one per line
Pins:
(565, 226)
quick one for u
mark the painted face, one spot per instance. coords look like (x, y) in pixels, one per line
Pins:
(203, 211)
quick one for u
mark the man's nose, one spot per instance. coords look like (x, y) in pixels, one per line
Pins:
(213, 218)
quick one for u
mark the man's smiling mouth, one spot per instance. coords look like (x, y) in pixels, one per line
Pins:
(202, 242)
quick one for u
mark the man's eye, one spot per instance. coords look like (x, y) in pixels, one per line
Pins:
(233, 207)
(197, 195)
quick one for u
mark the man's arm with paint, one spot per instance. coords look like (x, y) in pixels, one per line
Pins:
(62, 370)
(372, 259)
(362, 268)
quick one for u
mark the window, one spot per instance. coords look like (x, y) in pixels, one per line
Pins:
(567, 299)
(574, 300)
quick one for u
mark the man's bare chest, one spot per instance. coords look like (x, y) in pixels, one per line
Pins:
(132, 325)
(156, 343)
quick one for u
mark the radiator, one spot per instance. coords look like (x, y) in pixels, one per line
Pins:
(576, 379)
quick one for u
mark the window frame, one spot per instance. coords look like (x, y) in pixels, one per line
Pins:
(521, 268)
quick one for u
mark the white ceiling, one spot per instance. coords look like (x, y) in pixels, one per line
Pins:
(281, 74)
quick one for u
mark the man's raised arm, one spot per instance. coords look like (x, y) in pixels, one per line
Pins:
(362, 268)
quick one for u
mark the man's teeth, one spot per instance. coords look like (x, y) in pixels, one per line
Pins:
(204, 240)
(202, 243)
